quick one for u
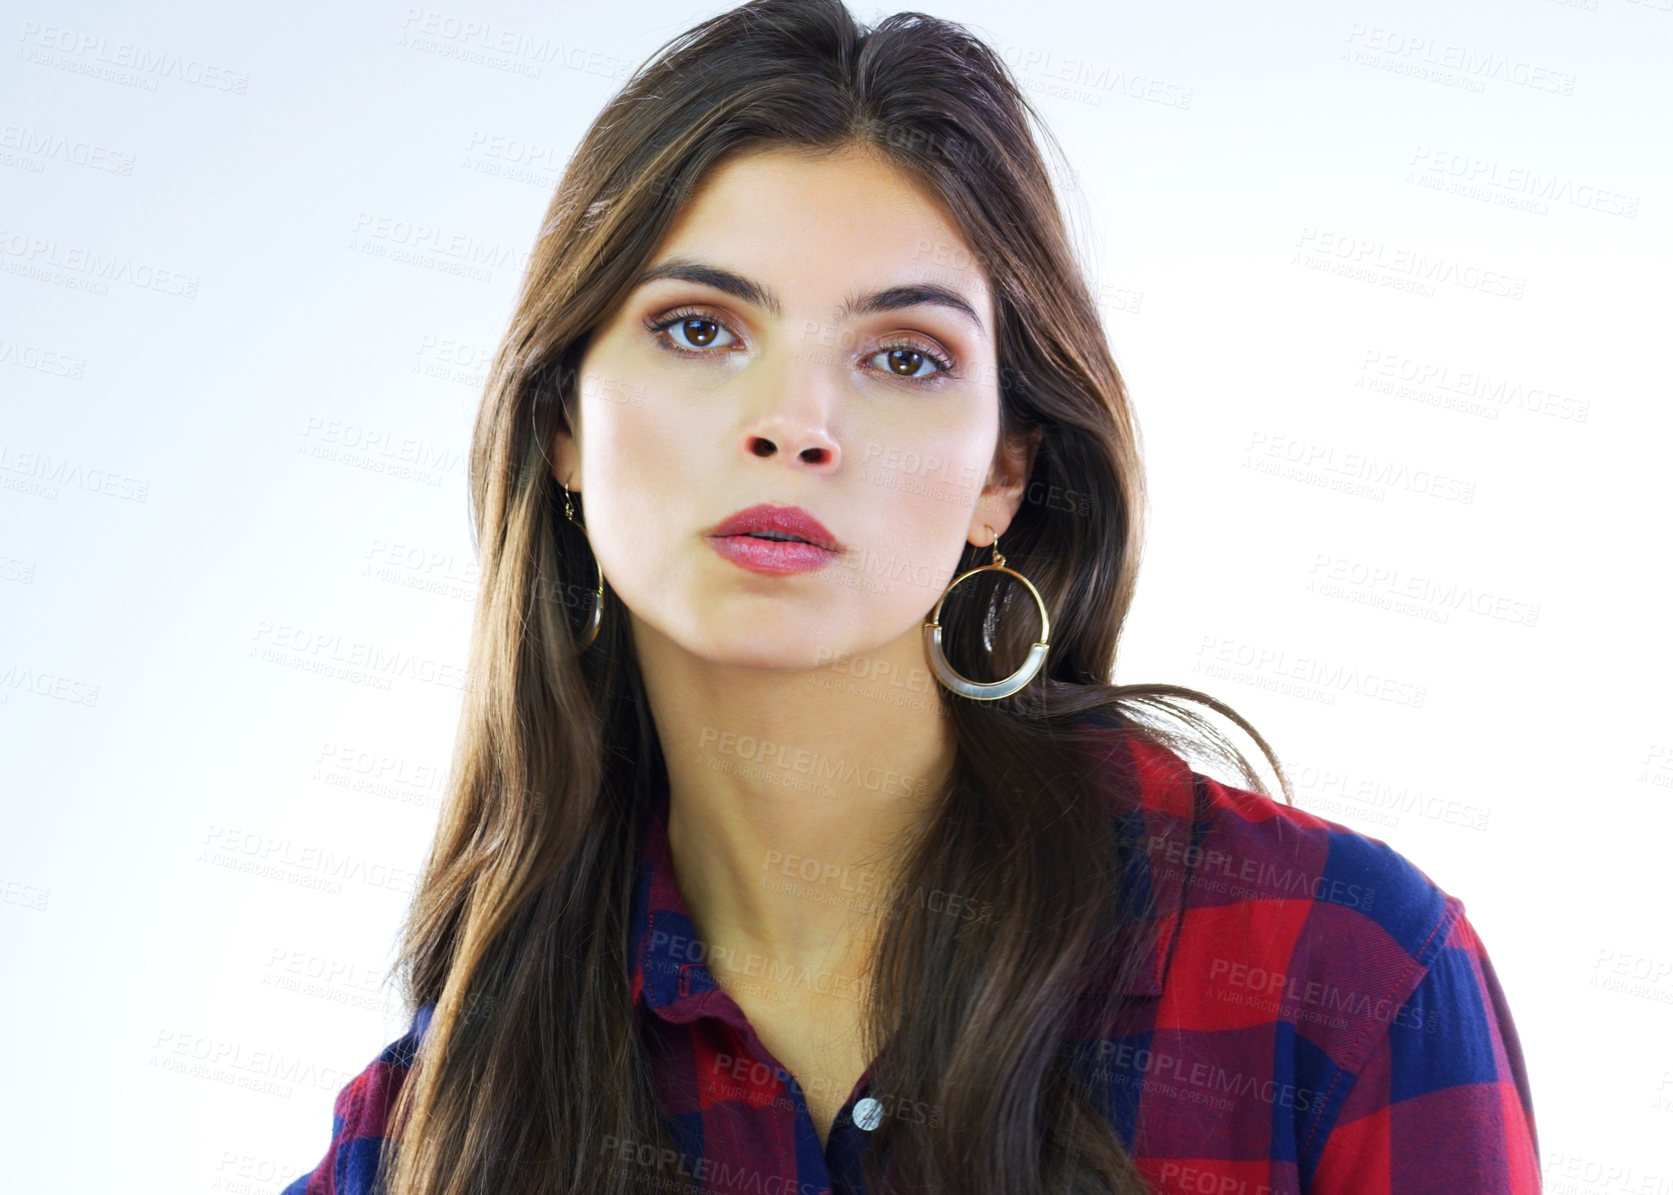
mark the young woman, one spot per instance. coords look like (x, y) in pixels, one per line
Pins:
(796, 840)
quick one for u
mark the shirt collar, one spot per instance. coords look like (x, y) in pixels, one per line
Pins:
(670, 977)
(669, 974)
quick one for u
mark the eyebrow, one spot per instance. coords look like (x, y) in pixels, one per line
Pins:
(750, 291)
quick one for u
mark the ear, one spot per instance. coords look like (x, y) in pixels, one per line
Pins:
(1006, 486)
(566, 460)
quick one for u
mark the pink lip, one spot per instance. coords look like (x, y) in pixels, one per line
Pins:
(732, 539)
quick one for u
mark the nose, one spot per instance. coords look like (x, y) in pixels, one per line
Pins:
(795, 431)
(813, 448)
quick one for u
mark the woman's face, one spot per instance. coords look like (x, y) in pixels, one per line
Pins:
(800, 370)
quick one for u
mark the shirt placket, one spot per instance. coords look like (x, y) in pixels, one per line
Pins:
(839, 1163)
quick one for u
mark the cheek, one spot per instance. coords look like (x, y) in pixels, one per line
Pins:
(640, 460)
(918, 481)
(657, 465)
(932, 465)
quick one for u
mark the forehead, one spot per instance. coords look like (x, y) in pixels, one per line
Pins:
(816, 227)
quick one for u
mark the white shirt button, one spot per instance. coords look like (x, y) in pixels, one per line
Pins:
(868, 1113)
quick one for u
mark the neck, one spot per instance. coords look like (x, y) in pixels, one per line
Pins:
(792, 796)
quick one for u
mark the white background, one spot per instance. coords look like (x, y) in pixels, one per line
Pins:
(238, 369)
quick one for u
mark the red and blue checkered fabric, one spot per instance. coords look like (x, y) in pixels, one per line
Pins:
(1313, 1015)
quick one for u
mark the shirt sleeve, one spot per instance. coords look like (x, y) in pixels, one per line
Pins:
(1442, 1101)
(359, 1121)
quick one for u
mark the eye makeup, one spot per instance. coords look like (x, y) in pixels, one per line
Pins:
(658, 326)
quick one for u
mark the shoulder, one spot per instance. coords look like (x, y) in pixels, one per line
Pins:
(1312, 881)
(1265, 919)
(1288, 917)
(1243, 883)
(360, 1117)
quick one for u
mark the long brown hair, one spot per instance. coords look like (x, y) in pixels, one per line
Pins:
(519, 930)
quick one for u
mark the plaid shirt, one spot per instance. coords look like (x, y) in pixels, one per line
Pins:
(1313, 1015)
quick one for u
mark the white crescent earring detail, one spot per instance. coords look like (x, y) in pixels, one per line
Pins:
(963, 685)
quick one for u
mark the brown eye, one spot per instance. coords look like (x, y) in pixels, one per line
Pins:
(906, 361)
(699, 339)
(909, 358)
(696, 331)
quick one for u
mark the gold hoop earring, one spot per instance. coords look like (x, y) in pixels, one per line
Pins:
(598, 594)
(963, 685)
